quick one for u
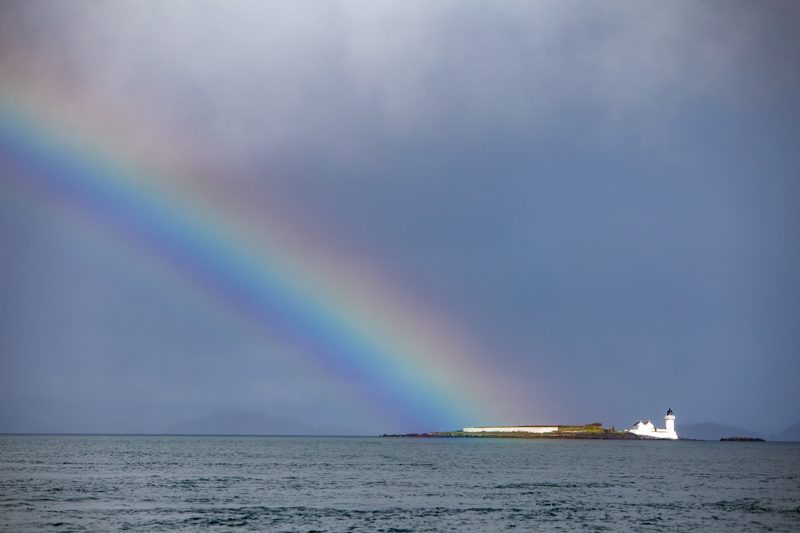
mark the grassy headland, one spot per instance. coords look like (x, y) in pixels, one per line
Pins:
(588, 431)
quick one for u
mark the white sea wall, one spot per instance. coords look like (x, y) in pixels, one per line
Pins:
(648, 430)
(512, 429)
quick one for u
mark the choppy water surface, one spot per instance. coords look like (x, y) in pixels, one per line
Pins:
(375, 484)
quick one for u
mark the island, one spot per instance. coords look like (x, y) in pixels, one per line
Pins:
(642, 430)
(587, 431)
(741, 439)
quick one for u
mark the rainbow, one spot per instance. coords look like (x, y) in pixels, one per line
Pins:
(347, 322)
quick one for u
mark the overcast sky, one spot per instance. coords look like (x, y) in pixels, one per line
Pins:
(602, 194)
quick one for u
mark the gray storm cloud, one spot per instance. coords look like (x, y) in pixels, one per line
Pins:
(275, 77)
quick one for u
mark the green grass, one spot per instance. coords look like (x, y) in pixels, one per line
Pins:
(587, 431)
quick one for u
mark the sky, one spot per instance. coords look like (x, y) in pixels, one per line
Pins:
(365, 217)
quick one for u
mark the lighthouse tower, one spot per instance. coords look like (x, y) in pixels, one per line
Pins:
(669, 421)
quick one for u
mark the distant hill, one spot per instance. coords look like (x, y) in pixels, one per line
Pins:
(712, 431)
(247, 423)
(791, 433)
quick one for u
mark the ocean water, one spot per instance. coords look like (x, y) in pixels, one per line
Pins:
(154, 483)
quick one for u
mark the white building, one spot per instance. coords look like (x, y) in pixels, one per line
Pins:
(512, 429)
(647, 429)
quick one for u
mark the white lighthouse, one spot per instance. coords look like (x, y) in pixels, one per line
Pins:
(669, 422)
(648, 429)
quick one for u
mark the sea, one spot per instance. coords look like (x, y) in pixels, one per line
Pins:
(190, 483)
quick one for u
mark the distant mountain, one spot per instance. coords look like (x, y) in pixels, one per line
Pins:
(247, 423)
(791, 433)
(712, 431)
